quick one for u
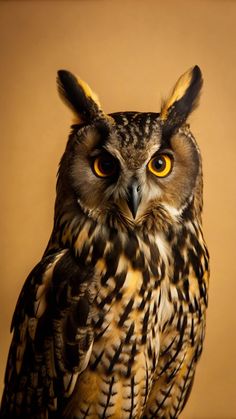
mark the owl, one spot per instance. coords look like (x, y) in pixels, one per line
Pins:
(111, 321)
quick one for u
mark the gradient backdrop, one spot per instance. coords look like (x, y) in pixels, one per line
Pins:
(131, 53)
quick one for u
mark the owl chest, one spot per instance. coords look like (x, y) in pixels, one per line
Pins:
(132, 306)
(133, 309)
(130, 309)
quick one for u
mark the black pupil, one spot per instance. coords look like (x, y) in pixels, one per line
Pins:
(106, 165)
(159, 164)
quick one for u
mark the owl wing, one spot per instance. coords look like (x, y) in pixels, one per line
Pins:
(52, 337)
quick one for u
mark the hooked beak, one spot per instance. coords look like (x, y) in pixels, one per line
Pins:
(134, 197)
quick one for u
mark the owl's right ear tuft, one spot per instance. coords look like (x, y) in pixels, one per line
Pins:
(78, 96)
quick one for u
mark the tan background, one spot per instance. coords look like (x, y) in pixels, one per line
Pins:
(131, 53)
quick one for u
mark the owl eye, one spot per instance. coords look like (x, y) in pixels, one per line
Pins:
(160, 165)
(104, 166)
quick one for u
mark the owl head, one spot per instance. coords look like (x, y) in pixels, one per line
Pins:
(134, 167)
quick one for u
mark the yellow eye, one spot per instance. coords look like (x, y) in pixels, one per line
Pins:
(104, 166)
(160, 165)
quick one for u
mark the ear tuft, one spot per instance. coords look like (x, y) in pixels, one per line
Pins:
(183, 99)
(78, 96)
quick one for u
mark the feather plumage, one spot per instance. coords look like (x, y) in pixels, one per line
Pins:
(111, 322)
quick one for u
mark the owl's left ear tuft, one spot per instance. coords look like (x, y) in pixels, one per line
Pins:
(78, 96)
(183, 99)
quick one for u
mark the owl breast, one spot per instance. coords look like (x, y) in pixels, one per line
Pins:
(135, 319)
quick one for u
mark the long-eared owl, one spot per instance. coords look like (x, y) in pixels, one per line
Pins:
(111, 322)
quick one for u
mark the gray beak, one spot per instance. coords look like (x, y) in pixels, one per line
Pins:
(134, 197)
